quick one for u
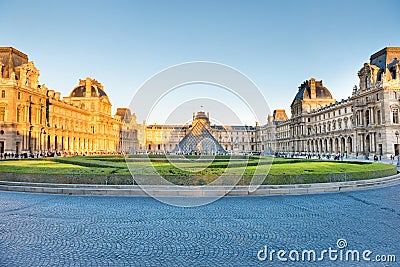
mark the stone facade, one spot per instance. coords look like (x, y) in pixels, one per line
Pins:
(34, 119)
(365, 124)
(159, 139)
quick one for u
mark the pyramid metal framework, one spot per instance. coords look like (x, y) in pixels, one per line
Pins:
(199, 141)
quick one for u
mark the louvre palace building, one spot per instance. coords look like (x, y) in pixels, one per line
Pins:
(36, 120)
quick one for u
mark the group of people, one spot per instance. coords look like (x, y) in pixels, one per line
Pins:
(310, 156)
(28, 155)
(328, 156)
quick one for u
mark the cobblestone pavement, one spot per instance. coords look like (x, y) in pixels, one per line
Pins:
(61, 230)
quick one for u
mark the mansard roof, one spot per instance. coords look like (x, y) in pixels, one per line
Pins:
(96, 89)
(80, 91)
(320, 90)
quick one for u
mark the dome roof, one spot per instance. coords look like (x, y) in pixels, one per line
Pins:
(320, 90)
(80, 91)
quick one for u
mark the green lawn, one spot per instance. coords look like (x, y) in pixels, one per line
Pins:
(204, 171)
(44, 166)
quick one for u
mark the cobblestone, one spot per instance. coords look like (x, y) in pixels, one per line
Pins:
(62, 230)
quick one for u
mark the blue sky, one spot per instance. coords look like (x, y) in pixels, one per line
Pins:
(278, 44)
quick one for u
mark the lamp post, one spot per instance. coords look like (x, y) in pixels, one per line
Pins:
(366, 145)
(397, 147)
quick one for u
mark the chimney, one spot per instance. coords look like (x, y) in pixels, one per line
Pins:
(313, 89)
(88, 86)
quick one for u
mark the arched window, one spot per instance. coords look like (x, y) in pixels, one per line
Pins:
(3, 94)
(395, 115)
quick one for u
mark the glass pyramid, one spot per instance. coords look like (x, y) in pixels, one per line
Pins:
(199, 141)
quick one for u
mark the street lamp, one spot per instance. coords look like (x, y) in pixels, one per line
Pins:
(366, 145)
(397, 147)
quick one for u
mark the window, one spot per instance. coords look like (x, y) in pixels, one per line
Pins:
(19, 95)
(395, 113)
(366, 82)
(41, 116)
(2, 113)
(18, 114)
(378, 115)
(3, 94)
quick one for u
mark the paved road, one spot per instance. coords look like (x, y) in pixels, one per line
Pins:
(60, 230)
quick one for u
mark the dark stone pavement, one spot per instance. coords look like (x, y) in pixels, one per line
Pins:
(61, 230)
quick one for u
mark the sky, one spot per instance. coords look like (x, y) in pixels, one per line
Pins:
(276, 44)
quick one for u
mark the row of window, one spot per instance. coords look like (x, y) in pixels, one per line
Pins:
(333, 113)
(370, 118)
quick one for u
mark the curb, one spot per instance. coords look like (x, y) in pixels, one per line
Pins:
(196, 191)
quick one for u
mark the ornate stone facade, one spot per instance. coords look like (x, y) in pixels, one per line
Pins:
(364, 124)
(34, 119)
(160, 139)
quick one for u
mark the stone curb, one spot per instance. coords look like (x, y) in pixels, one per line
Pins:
(196, 191)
